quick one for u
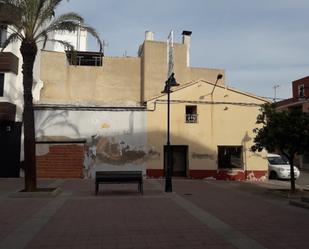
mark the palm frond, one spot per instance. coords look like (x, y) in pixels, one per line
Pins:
(67, 45)
(95, 34)
(37, 20)
(69, 22)
(11, 39)
(71, 16)
(47, 12)
(62, 27)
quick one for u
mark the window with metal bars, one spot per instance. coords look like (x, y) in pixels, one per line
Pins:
(230, 157)
(191, 114)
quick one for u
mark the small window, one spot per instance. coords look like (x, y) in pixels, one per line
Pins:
(2, 34)
(191, 114)
(301, 91)
(230, 157)
(1, 84)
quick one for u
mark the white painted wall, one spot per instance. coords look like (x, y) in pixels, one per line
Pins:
(116, 140)
(13, 89)
(75, 39)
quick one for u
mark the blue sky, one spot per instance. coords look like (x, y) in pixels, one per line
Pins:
(260, 43)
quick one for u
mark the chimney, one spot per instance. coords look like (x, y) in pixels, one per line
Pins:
(186, 38)
(149, 36)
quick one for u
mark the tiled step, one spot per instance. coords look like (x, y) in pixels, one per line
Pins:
(301, 204)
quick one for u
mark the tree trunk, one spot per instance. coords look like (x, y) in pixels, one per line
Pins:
(29, 51)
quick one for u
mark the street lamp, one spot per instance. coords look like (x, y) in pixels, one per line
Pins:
(219, 76)
(171, 82)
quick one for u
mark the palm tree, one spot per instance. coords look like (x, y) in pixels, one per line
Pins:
(31, 22)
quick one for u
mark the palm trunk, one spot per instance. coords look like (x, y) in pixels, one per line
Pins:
(28, 51)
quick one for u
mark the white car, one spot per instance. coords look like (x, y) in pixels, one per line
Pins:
(279, 168)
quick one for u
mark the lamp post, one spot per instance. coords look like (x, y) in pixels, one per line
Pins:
(171, 82)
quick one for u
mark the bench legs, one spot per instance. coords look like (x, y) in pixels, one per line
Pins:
(140, 187)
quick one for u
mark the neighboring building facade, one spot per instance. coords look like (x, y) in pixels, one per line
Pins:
(11, 97)
(299, 100)
(10, 108)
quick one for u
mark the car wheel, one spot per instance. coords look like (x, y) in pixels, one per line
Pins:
(273, 175)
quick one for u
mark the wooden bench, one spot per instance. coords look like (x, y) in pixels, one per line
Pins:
(106, 177)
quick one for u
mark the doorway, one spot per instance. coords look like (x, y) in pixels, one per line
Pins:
(10, 135)
(179, 159)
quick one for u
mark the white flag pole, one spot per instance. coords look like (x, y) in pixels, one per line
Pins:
(170, 53)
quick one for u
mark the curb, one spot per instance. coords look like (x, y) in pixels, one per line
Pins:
(40, 193)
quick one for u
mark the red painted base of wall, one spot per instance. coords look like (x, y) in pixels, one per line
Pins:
(62, 161)
(236, 175)
(155, 173)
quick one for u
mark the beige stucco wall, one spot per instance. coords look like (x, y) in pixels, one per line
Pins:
(121, 80)
(218, 124)
(117, 81)
(154, 68)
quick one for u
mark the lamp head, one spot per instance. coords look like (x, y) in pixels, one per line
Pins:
(219, 76)
(172, 81)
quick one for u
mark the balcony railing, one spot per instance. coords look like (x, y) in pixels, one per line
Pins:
(191, 118)
(81, 58)
(8, 62)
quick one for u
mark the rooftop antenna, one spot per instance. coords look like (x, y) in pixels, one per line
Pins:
(275, 89)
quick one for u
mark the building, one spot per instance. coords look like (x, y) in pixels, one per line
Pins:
(10, 108)
(107, 113)
(299, 100)
(115, 107)
(11, 97)
(300, 96)
(211, 132)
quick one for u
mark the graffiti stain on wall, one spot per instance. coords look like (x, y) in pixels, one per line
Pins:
(201, 156)
(111, 151)
(153, 154)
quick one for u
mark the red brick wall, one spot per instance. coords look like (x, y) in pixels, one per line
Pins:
(62, 161)
(296, 83)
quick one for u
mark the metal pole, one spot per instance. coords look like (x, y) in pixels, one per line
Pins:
(168, 177)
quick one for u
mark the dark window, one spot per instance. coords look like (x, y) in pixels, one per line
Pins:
(301, 91)
(230, 157)
(80, 58)
(191, 114)
(1, 84)
(2, 34)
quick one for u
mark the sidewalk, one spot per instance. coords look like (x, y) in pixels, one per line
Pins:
(199, 214)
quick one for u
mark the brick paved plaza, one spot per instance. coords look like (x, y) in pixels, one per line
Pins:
(199, 214)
